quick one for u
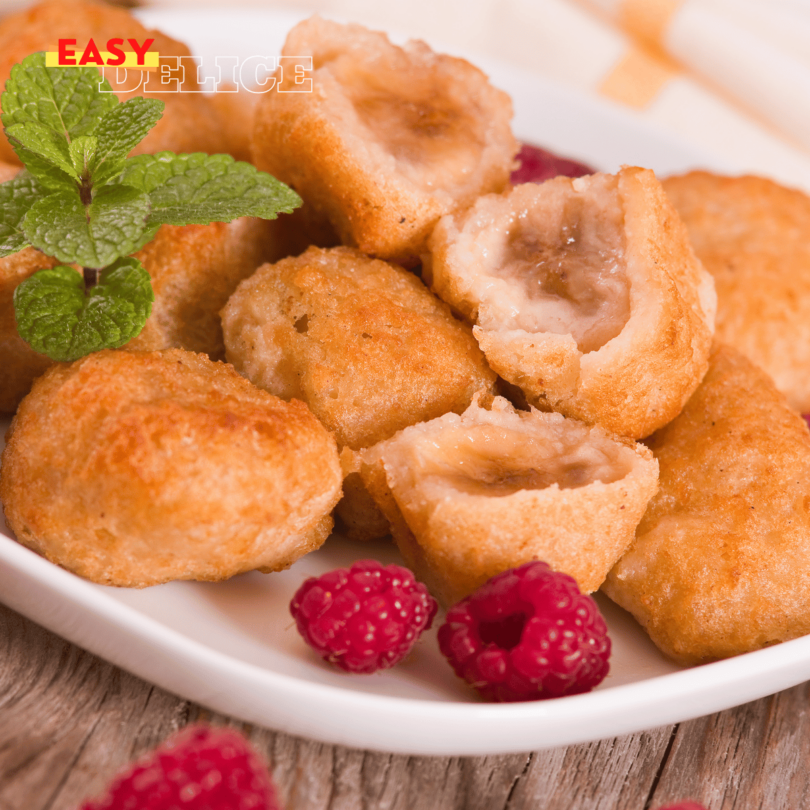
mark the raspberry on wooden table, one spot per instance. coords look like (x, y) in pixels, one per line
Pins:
(537, 165)
(363, 618)
(683, 806)
(199, 768)
(527, 634)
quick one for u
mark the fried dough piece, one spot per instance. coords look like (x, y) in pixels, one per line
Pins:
(470, 496)
(190, 122)
(720, 563)
(751, 235)
(194, 270)
(585, 294)
(138, 468)
(389, 140)
(362, 342)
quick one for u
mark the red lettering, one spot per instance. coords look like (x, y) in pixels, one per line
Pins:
(67, 56)
(112, 47)
(91, 55)
(140, 51)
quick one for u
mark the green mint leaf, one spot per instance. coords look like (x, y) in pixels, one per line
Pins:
(121, 129)
(43, 142)
(48, 175)
(94, 235)
(16, 197)
(56, 317)
(65, 100)
(199, 188)
(82, 151)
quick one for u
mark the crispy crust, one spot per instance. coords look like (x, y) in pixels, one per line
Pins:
(455, 538)
(640, 379)
(327, 146)
(20, 365)
(190, 122)
(194, 270)
(751, 234)
(719, 565)
(362, 342)
(138, 468)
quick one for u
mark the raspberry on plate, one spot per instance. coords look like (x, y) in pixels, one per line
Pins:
(527, 634)
(538, 165)
(363, 618)
(199, 768)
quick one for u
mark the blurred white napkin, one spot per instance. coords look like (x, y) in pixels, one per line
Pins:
(755, 52)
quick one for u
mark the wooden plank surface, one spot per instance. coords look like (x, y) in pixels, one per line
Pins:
(69, 721)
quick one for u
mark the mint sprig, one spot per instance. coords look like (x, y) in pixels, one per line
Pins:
(84, 201)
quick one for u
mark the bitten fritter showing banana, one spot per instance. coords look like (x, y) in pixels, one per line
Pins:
(752, 236)
(585, 293)
(362, 342)
(389, 139)
(136, 468)
(721, 560)
(470, 496)
(194, 270)
(190, 123)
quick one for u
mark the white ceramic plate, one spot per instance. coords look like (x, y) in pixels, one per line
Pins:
(232, 647)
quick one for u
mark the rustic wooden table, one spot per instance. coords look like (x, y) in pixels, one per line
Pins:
(69, 721)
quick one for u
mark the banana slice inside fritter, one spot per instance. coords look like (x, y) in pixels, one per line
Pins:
(585, 293)
(472, 495)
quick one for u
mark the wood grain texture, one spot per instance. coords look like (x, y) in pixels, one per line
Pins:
(69, 721)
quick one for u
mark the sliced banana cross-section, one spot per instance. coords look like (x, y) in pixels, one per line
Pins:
(470, 496)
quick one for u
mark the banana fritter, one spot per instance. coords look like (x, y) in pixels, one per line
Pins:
(135, 468)
(720, 562)
(194, 270)
(389, 139)
(470, 496)
(752, 236)
(585, 294)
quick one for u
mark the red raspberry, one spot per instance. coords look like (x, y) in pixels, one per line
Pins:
(363, 618)
(199, 768)
(527, 634)
(537, 165)
(807, 418)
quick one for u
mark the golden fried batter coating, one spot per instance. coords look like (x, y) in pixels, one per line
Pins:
(20, 365)
(138, 468)
(752, 236)
(585, 293)
(194, 270)
(362, 342)
(470, 496)
(389, 140)
(190, 122)
(720, 563)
